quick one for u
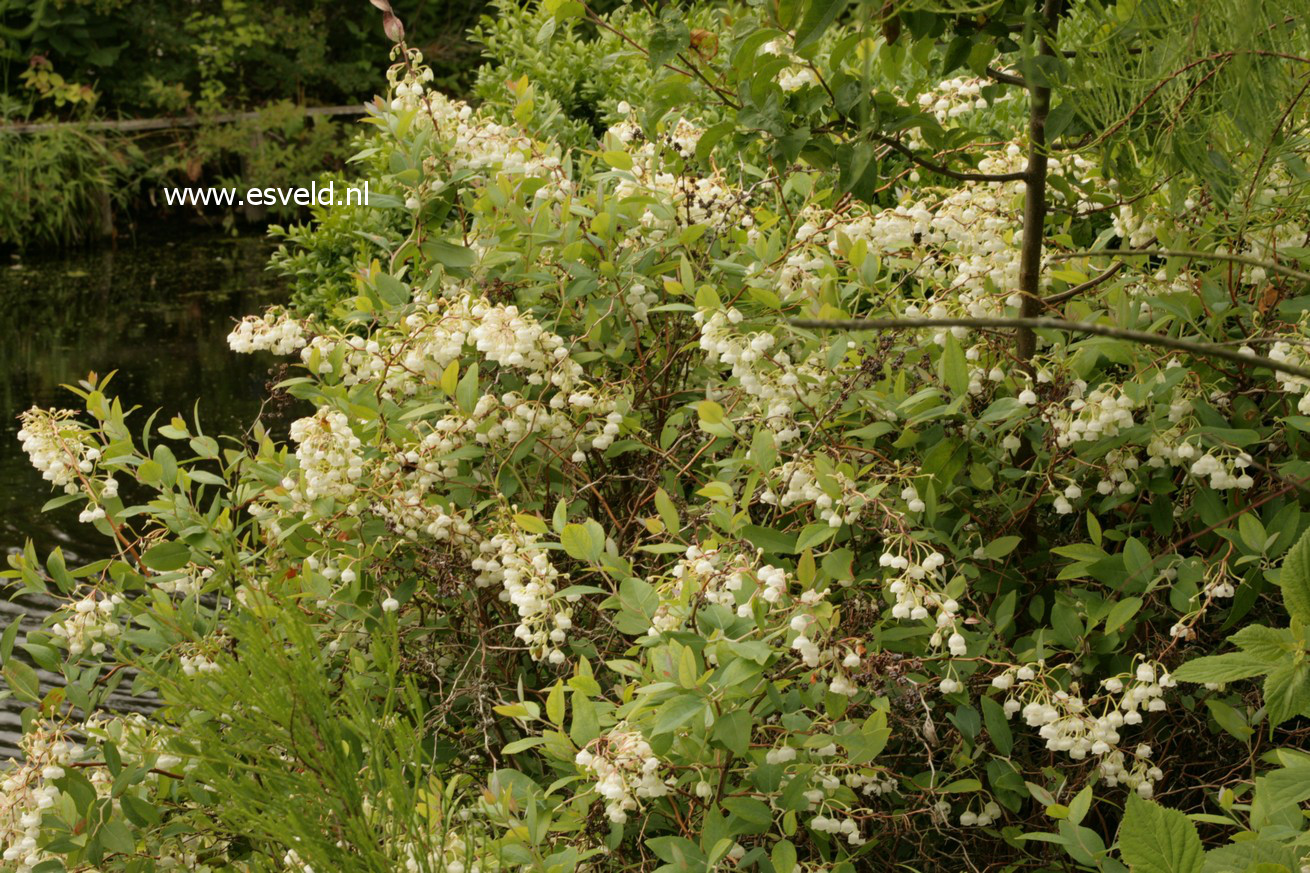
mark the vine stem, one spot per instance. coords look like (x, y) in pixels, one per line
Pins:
(1204, 350)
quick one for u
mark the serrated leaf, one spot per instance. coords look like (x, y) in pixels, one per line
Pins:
(1294, 579)
(1267, 643)
(1153, 839)
(1222, 668)
(1287, 691)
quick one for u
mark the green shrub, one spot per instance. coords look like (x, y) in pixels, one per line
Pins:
(597, 537)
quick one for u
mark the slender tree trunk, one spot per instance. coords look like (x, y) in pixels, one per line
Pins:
(1034, 207)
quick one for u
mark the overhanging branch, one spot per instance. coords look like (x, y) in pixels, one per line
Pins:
(1271, 266)
(1204, 350)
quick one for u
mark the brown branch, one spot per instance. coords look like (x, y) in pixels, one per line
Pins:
(1070, 293)
(897, 145)
(1204, 350)
(1271, 266)
(1034, 201)
(1007, 78)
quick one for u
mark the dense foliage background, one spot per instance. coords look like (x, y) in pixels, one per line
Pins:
(613, 543)
(75, 61)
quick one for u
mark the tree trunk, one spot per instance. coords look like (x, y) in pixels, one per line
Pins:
(1034, 206)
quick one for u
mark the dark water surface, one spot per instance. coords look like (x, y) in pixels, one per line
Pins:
(157, 311)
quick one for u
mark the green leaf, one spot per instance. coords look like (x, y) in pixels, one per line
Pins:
(752, 811)
(1288, 786)
(770, 540)
(814, 534)
(579, 542)
(819, 16)
(733, 730)
(669, 36)
(391, 289)
(1153, 839)
(1251, 855)
(555, 703)
(140, 812)
(1287, 691)
(710, 412)
(678, 851)
(1294, 579)
(466, 392)
(953, 369)
(961, 786)
(172, 555)
(668, 512)
(523, 745)
(449, 254)
(1267, 643)
(677, 712)
(22, 680)
(1121, 612)
(784, 857)
(1001, 546)
(115, 837)
(1229, 718)
(531, 523)
(998, 726)
(1222, 668)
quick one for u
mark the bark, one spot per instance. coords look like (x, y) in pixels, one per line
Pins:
(1034, 206)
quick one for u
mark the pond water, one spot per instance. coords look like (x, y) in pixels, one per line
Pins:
(157, 311)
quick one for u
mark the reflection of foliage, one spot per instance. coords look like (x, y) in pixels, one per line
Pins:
(58, 186)
(20, 32)
(160, 311)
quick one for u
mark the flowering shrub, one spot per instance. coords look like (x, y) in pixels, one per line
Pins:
(588, 557)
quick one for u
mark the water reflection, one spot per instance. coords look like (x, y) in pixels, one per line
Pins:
(157, 311)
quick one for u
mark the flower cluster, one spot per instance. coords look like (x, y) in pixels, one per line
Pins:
(625, 769)
(1090, 416)
(515, 560)
(834, 495)
(58, 446)
(1068, 724)
(28, 790)
(329, 457)
(90, 624)
(917, 583)
(274, 332)
(714, 575)
(1297, 353)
